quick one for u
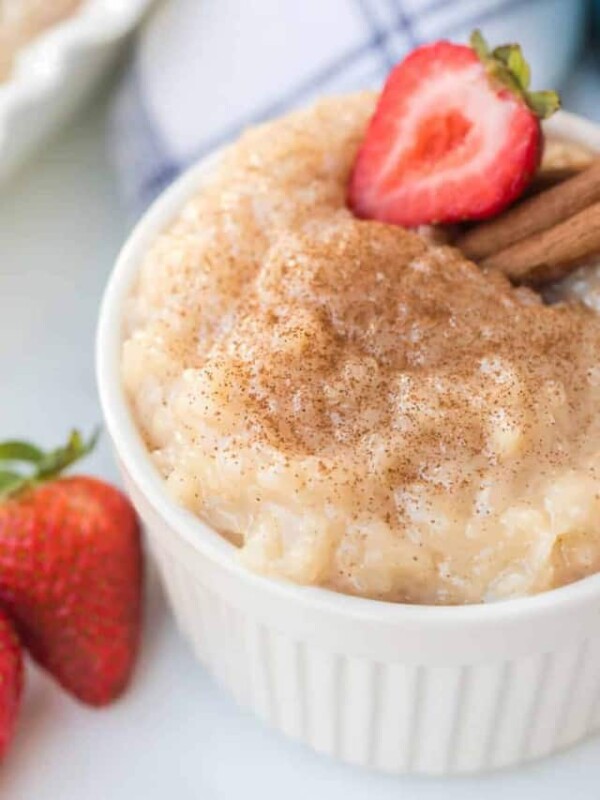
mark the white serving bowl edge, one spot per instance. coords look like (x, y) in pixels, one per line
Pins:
(399, 688)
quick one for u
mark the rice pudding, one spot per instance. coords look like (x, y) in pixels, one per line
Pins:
(354, 406)
(23, 20)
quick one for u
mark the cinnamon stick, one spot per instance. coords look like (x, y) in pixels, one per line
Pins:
(534, 215)
(551, 254)
(548, 177)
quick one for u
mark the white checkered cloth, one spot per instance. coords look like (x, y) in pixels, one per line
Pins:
(205, 69)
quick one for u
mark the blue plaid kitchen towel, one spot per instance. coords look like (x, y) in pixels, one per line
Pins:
(203, 70)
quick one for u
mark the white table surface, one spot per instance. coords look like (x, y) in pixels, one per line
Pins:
(174, 734)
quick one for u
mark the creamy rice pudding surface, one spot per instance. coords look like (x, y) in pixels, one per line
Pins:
(355, 407)
(23, 20)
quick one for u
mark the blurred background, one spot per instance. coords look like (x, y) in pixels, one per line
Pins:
(203, 70)
(132, 117)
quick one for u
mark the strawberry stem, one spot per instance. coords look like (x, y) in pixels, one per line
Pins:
(23, 465)
(506, 65)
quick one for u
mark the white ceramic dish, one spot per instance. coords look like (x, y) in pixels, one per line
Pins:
(395, 687)
(56, 71)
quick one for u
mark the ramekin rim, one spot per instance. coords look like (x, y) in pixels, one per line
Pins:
(134, 456)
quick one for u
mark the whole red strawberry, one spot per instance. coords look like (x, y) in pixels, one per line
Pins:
(11, 681)
(456, 136)
(71, 570)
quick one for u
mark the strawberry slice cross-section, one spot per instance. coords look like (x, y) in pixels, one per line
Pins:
(456, 136)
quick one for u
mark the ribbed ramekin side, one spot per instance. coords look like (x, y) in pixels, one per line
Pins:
(401, 689)
(392, 716)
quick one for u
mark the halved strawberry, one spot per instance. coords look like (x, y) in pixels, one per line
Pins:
(456, 136)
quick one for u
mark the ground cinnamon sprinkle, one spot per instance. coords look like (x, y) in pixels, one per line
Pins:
(362, 409)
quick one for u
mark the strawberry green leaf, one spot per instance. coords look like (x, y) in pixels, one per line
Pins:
(512, 57)
(43, 466)
(519, 67)
(56, 461)
(502, 75)
(479, 44)
(20, 451)
(544, 104)
(10, 482)
(502, 53)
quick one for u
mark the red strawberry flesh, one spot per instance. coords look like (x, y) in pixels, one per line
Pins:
(11, 681)
(445, 143)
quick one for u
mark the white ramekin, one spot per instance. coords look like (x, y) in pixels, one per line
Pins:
(396, 687)
(56, 72)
